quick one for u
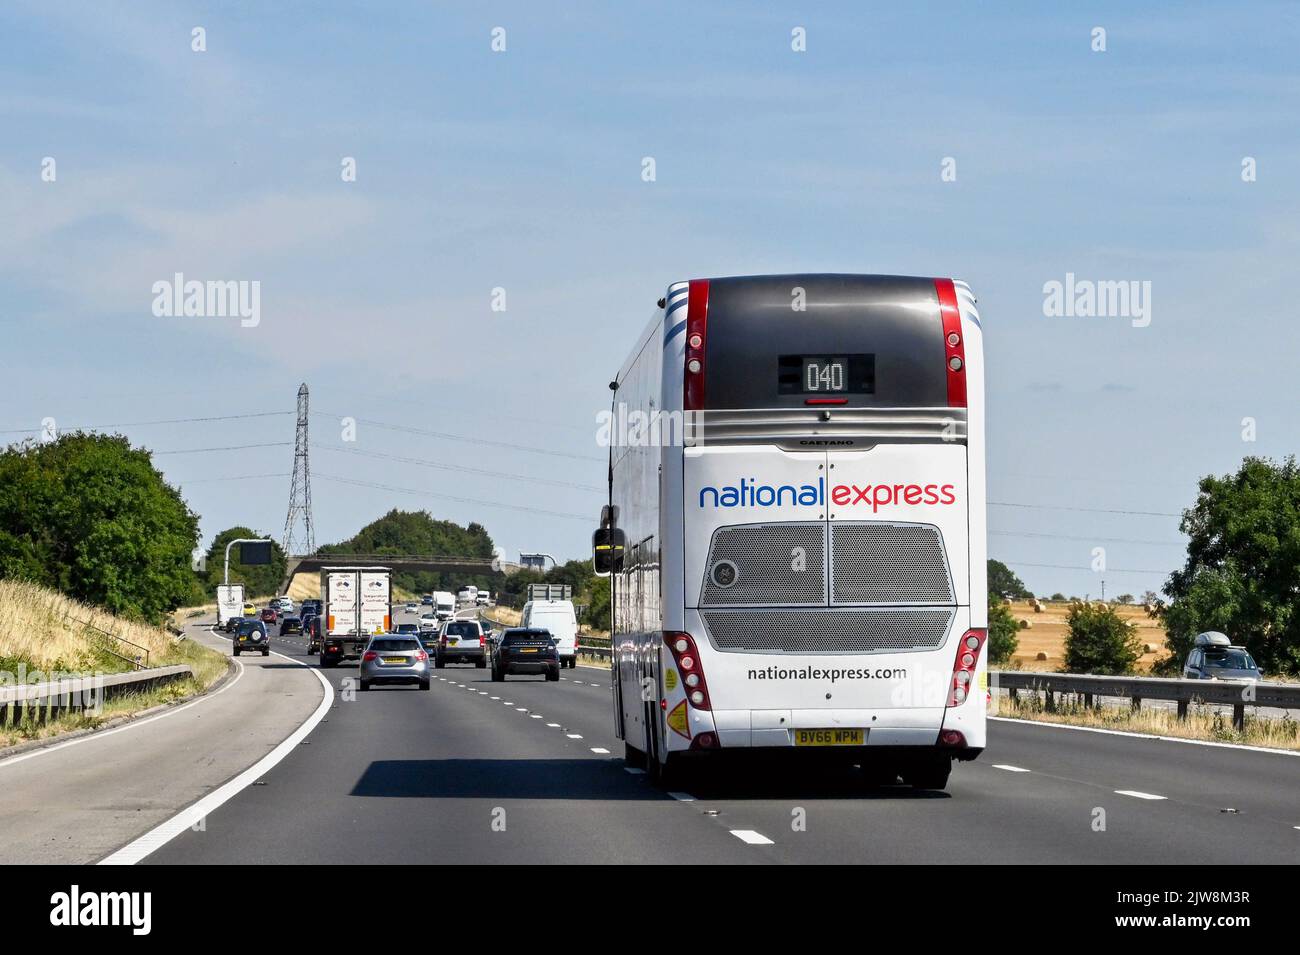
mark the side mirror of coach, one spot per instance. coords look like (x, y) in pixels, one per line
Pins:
(607, 550)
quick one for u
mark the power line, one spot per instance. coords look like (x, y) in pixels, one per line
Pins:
(1108, 570)
(465, 438)
(141, 424)
(233, 447)
(1089, 539)
(458, 467)
(449, 497)
(1088, 510)
(236, 477)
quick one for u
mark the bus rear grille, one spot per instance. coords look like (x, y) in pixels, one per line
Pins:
(889, 563)
(773, 564)
(827, 631)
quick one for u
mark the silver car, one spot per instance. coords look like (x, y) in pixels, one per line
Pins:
(390, 658)
(1214, 657)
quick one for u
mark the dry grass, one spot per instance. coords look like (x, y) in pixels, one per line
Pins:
(1202, 722)
(42, 630)
(45, 629)
(1048, 631)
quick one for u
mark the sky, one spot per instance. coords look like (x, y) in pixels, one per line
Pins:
(521, 170)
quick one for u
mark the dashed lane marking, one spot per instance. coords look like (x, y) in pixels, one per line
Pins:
(750, 837)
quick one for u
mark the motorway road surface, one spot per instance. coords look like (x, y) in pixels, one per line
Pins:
(529, 771)
(78, 800)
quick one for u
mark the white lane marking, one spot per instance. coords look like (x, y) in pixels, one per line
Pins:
(23, 757)
(522, 709)
(1150, 736)
(1010, 769)
(160, 835)
(750, 837)
(576, 682)
(553, 725)
(1136, 795)
(496, 697)
(574, 735)
(599, 749)
(535, 716)
(683, 797)
(634, 771)
(482, 692)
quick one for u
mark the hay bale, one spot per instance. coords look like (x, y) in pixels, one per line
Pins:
(1026, 625)
(1041, 655)
(1038, 606)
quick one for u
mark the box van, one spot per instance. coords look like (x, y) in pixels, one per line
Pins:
(558, 617)
(444, 605)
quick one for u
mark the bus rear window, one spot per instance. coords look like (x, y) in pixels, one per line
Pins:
(775, 341)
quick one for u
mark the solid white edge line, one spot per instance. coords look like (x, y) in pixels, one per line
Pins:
(750, 837)
(1150, 736)
(55, 747)
(1138, 795)
(1010, 769)
(160, 835)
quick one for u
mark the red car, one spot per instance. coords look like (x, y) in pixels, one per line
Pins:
(269, 615)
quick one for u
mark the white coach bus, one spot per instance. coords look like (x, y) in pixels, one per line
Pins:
(797, 540)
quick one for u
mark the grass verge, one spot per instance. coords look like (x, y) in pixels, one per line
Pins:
(1202, 722)
(43, 632)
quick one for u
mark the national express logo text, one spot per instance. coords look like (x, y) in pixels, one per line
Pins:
(749, 493)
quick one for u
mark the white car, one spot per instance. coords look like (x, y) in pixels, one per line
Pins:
(283, 604)
(483, 599)
(412, 608)
(558, 617)
(428, 622)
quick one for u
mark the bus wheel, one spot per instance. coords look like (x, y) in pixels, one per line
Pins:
(929, 773)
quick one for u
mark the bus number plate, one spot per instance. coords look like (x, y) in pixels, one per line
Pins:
(836, 737)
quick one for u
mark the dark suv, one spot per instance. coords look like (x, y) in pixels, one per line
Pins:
(251, 635)
(526, 650)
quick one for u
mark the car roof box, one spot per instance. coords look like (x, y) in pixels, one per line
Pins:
(1212, 638)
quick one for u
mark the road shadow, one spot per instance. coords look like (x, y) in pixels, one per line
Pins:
(501, 779)
(606, 779)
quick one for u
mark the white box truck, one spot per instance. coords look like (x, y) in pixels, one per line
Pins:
(357, 605)
(549, 607)
(230, 604)
(444, 604)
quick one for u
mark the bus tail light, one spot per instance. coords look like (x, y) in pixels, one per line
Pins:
(682, 647)
(963, 668)
(697, 327)
(954, 349)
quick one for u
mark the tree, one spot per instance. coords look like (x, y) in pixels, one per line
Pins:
(1125, 598)
(417, 533)
(1243, 566)
(1099, 640)
(1004, 583)
(1058, 596)
(1004, 638)
(89, 515)
(1150, 598)
(259, 580)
